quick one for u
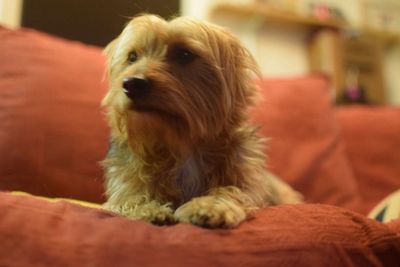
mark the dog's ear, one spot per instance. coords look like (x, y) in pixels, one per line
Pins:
(110, 48)
(240, 69)
(109, 52)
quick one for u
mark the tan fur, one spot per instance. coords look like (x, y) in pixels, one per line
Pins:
(189, 155)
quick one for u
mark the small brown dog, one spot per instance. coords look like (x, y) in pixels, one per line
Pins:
(181, 145)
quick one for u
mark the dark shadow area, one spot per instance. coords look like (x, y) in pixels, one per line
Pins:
(91, 21)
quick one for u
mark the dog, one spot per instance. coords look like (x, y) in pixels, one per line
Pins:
(182, 149)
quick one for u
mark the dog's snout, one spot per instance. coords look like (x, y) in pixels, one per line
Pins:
(135, 87)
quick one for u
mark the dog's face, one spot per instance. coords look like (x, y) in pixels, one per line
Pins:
(180, 80)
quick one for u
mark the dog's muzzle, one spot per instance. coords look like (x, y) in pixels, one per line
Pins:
(135, 87)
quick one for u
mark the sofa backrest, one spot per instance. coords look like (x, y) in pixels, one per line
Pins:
(52, 131)
(305, 146)
(372, 140)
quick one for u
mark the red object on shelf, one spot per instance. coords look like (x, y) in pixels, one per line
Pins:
(322, 11)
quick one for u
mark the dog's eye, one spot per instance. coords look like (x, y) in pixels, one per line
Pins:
(132, 57)
(184, 56)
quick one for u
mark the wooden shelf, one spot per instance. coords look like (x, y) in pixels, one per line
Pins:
(385, 36)
(275, 17)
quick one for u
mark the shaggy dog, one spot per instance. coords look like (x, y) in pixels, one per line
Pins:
(182, 149)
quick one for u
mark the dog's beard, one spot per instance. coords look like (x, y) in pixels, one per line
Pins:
(167, 117)
(176, 114)
(150, 129)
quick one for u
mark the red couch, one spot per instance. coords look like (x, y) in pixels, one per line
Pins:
(53, 134)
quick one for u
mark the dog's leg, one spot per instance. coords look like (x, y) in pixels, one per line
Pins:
(286, 194)
(140, 208)
(128, 195)
(224, 207)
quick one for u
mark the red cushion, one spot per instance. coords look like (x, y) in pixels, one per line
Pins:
(40, 233)
(52, 132)
(372, 137)
(304, 146)
(394, 225)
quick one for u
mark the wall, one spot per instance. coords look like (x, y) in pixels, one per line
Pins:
(10, 12)
(392, 70)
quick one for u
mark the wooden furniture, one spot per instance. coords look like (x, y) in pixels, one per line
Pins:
(331, 49)
(272, 16)
(350, 61)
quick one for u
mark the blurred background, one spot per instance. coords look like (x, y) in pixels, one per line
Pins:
(356, 43)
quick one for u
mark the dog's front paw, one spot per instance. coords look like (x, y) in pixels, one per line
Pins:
(211, 212)
(160, 215)
(150, 212)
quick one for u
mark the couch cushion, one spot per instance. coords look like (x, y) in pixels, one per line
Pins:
(52, 132)
(304, 146)
(40, 233)
(372, 138)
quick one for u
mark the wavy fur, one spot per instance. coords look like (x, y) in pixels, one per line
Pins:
(186, 151)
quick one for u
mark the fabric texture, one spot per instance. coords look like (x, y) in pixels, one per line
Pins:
(52, 132)
(372, 138)
(63, 234)
(304, 145)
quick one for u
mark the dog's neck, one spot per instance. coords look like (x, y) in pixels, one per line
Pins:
(190, 179)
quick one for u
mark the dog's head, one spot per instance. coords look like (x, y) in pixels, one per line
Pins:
(177, 80)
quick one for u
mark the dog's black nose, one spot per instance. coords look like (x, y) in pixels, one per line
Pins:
(135, 87)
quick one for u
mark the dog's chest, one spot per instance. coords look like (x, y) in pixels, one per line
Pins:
(190, 179)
